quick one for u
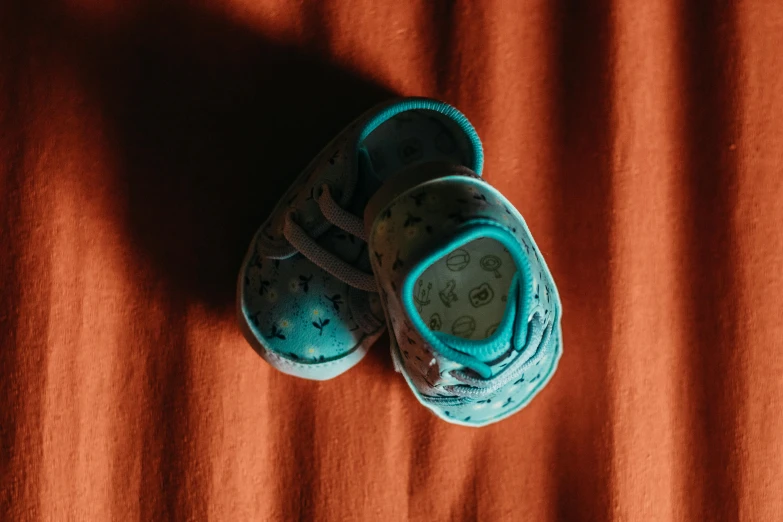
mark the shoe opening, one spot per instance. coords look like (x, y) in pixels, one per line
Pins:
(465, 292)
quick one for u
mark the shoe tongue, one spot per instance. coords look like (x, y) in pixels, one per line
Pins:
(495, 346)
(367, 183)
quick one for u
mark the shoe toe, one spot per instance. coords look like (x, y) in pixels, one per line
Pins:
(298, 318)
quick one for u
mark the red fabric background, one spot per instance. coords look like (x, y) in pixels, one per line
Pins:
(141, 143)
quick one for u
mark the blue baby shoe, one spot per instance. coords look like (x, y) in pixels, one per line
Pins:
(473, 308)
(307, 301)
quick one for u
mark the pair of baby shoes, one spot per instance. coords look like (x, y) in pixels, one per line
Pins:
(392, 226)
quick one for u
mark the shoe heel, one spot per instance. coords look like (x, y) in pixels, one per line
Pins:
(407, 179)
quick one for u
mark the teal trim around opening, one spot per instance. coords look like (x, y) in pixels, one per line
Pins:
(430, 105)
(471, 230)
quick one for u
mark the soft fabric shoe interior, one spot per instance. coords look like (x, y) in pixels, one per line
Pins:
(465, 292)
(415, 136)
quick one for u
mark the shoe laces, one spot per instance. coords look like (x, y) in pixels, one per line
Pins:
(328, 261)
(473, 387)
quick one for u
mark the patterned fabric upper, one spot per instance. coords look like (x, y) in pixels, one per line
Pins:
(303, 312)
(296, 308)
(478, 275)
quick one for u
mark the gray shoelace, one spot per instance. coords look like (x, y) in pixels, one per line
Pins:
(308, 247)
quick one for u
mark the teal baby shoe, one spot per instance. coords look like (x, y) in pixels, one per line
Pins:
(307, 301)
(474, 312)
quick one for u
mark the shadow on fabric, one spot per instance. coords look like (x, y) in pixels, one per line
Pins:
(213, 122)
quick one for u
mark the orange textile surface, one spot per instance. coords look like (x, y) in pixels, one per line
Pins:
(142, 143)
